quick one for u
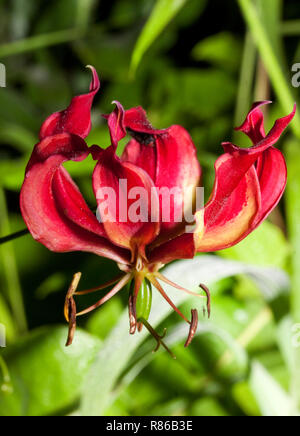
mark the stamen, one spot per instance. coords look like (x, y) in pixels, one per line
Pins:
(71, 291)
(133, 295)
(174, 285)
(72, 321)
(208, 296)
(162, 292)
(157, 337)
(193, 327)
(132, 315)
(120, 285)
(100, 288)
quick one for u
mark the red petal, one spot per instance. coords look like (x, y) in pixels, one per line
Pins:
(182, 247)
(116, 124)
(70, 200)
(136, 119)
(169, 157)
(177, 167)
(226, 219)
(42, 201)
(254, 123)
(270, 140)
(122, 230)
(230, 214)
(272, 174)
(141, 155)
(76, 119)
(243, 194)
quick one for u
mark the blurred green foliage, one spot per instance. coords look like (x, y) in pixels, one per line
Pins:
(199, 64)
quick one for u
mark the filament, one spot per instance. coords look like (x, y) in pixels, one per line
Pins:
(120, 285)
(162, 292)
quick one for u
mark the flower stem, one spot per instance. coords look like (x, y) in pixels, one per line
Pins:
(14, 293)
(13, 236)
(269, 58)
(246, 80)
(39, 41)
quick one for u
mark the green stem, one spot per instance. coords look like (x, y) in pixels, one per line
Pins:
(84, 12)
(39, 41)
(270, 60)
(246, 80)
(14, 236)
(14, 293)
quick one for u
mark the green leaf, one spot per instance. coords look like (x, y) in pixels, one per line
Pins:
(284, 339)
(103, 321)
(244, 397)
(208, 407)
(162, 13)
(17, 135)
(12, 285)
(270, 12)
(272, 399)
(222, 49)
(6, 320)
(292, 152)
(271, 61)
(38, 41)
(84, 12)
(119, 347)
(12, 174)
(15, 109)
(203, 94)
(256, 250)
(46, 376)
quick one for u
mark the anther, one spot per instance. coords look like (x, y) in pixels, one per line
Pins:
(72, 321)
(132, 314)
(193, 327)
(207, 292)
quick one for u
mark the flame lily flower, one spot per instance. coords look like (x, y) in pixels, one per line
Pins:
(249, 183)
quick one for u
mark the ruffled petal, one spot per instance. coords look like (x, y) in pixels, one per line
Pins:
(259, 147)
(249, 184)
(253, 126)
(48, 201)
(272, 175)
(226, 219)
(70, 200)
(116, 126)
(135, 119)
(231, 213)
(125, 224)
(170, 158)
(76, 119)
